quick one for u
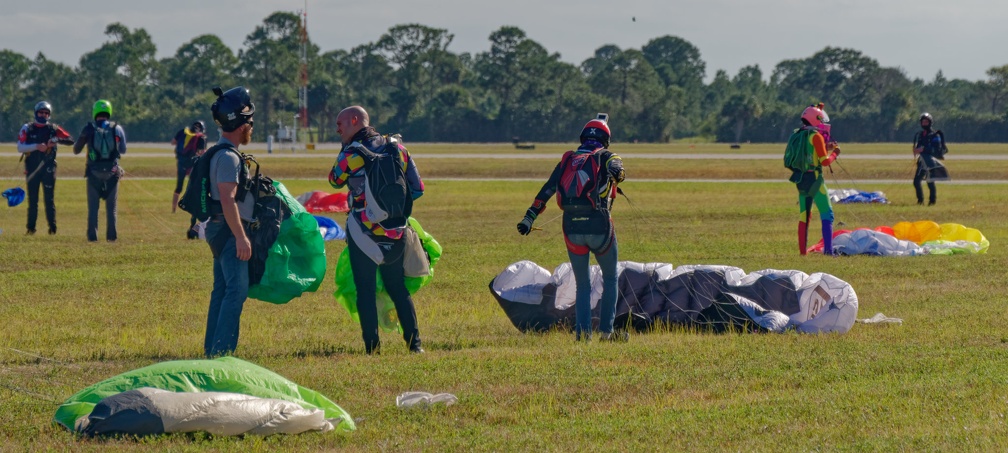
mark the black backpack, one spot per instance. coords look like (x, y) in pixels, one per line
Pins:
(196, 198)
(386, 189)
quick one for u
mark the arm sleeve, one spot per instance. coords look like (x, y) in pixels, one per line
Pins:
(347, 163)
(547, 191)
(63, 137)
(614, 165)
(121, 135)
(822, 156)
(23, 147)
(83, 139)
(412, 174)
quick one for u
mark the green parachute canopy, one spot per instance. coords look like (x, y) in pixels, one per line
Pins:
(346, 291)
(225, 374)
(296, 262)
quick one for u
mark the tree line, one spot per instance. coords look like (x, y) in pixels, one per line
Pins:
(412, 84)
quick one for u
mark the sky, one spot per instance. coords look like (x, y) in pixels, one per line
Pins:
(961, 38)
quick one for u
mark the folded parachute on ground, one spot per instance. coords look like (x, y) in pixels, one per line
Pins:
(295, 261)
(718, 298)
(856, 196)
(923, 237)
(318, 201)
(346, 291)
(224, 396)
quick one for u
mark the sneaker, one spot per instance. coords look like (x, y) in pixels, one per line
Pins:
(582, 337)
(52, 230)
(30, 232)
(931, 203)
(416, 350)
(619, 336)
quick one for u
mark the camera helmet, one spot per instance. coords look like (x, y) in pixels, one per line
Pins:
(232, 108)
(596, 130)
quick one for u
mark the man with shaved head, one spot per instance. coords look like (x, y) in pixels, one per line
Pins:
(372, 247)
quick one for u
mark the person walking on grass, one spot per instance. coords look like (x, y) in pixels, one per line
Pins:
(809, 149)
(37, 142)
(106, 143)
(190, 143)
(374, 247)
(929, 147)
(584, 182)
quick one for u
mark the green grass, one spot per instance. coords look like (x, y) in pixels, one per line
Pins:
(76, 313)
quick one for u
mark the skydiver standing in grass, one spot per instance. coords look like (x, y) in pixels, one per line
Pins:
(190, 143)
(585, 182)
(373, 248)
(810, 148)
(929, 146)
(106, 143)
(231, 211)
(37, 144)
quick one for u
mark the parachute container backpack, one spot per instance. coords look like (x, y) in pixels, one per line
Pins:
(579, 186)
(103, 143)
(389, 201)
(196, 198)
(798, 154)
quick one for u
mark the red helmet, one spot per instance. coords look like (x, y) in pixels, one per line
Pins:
(596, 130)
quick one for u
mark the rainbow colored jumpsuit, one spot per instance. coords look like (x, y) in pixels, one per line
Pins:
(812, 190)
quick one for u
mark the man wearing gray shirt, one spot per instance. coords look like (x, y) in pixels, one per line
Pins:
(230, 212)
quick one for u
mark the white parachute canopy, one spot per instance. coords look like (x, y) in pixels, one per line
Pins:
(713, 296)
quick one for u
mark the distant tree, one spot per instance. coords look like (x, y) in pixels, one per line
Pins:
(422, 64)
(840, 77)
(269, 67)
(633, 87)
(996, 88)
(123, 71)
(14, 76)
(57, 83)
(739, 110)
(199, 65)
(676, 60)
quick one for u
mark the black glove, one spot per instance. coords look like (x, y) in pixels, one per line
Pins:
(525, 226)
(617, 175)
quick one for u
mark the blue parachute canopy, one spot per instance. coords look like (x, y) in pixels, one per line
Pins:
(14, 196)
(856, 196)
(329, 228)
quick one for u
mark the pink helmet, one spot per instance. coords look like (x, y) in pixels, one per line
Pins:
(815, 115)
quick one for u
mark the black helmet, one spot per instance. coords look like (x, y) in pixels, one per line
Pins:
(232, 108)
(200, 124)
(927, 116)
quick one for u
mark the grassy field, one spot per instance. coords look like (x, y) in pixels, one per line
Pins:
(76, 313)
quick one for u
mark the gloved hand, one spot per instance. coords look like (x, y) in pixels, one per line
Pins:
(525, 226)
(617, 175)
(836, 150)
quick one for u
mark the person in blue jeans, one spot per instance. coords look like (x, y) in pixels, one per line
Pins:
(584, 182)
(230, 213)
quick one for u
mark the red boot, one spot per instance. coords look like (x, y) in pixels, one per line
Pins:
(802, 237)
